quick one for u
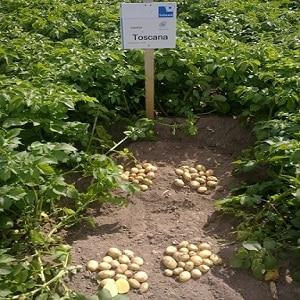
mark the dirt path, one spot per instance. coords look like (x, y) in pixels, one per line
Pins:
(165, 214)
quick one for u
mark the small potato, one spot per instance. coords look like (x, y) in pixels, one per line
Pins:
(211, 178)
(183, 250)
(134, 283)
(147, 181)
(211, 183)
(144, 287)
(192, 247)
(104, 266)
(124, 259)
(114, 263)
(205, 253)
(92, 265)
(114, 252)
(209, 172)
(144, 187)
(106, 274)
(169, 262)
(196, 273)
(204, 268)
(170, 250)
(208, 262)
(179, 172)
(150, 175)
(179, 256)
(134, 170)
(193, 170)
(118, 276)
(141, 276)
(197, 260)
(107, 258)
(128, 273)
(200, 180)
(189, 266)
(194, 184)
(121, 268)
(137, 260)
(201, 168)
(178, 270)
(217, 260)
(183, 244)
(181, 264)
(134, 267)
(184, 276)
(128, 253)
(202, 189)
(168, 272)
(192, 253)
(178, 182)
(187, 176)
(204, 246)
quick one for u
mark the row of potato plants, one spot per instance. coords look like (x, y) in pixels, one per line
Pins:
(64, 80)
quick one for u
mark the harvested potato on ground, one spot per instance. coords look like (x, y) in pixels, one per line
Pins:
(114, 252)
(92, 265)
(106, 274)
(123, 286)
(144, 287)
(188, 260)
(184, 276)
(169, 262)
(141, 276)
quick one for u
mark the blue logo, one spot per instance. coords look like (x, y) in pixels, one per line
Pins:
(166, 11)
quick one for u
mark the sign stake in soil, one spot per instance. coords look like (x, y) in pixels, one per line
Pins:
(148, 26)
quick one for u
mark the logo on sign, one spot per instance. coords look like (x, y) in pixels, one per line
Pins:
(166, 11)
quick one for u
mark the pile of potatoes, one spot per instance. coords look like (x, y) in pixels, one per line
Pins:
(141, 175)
(188, 260)
(119, 271)
(198, 178)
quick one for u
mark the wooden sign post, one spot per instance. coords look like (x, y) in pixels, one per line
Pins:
(148, 26)
(149, 80)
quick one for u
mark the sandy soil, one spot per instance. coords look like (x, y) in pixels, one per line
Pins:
(165, 215)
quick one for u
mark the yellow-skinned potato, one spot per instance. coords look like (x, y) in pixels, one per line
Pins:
(189, 266)
(137, 260)
(208, 262)
(184, 276)
(197, 260)
(178, 270)
(144, 287)
(141, 276)
(205, 253)
(104, 266)
(92, 265)
(114, 252)
(170, 250)
(202, 189)
(204, 268)
(196, 273)
(134, 283)
(178, 182)
(184, 244)
(169, 262)
(168, 272)
(106, 274)
(204, 246)
(124, 259)
(128, 253)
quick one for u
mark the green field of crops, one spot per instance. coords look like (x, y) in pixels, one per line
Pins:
(65, 80)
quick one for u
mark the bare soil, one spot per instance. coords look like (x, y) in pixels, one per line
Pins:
(165, 215)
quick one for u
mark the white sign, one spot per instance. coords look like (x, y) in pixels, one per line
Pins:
(148, 25)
